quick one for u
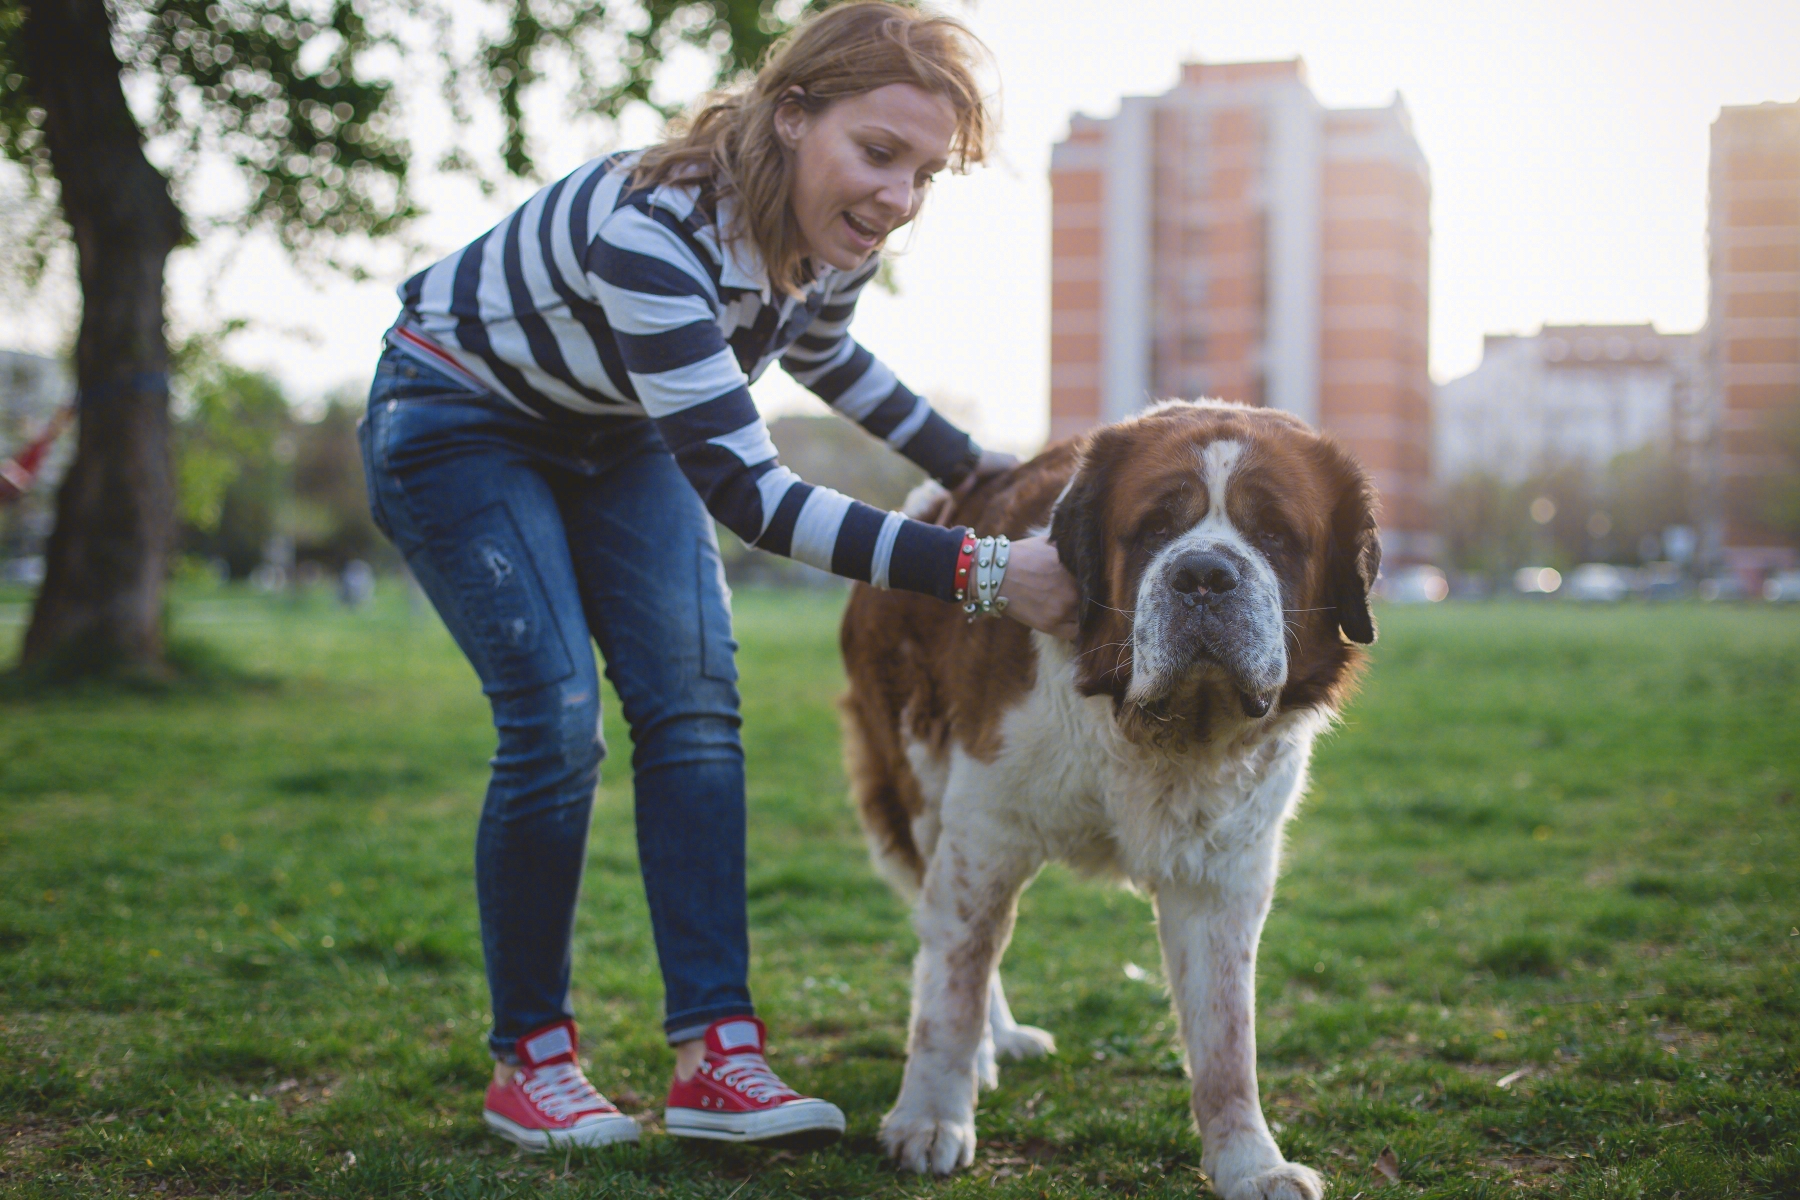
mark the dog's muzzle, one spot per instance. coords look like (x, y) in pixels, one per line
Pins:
(1213, 605)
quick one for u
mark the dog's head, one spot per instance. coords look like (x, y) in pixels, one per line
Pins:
(1224, 555)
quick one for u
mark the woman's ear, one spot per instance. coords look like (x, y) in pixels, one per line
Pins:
(792, 119)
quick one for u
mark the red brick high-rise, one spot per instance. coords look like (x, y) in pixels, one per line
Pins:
(1235, 238)
(1753, 329)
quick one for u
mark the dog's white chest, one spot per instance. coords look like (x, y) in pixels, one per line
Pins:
(1067, 782)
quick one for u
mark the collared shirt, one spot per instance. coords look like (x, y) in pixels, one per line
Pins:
(594, 303)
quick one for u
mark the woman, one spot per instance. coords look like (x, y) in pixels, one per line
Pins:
(558, 410)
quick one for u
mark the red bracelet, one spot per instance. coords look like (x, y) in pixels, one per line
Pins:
(965, 562)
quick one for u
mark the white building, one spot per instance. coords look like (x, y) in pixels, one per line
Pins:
(1568, 393)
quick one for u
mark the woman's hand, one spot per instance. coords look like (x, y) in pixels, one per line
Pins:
(990, 464)
(1038, 591)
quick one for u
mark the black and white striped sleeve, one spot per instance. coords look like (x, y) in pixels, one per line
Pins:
(662, 306)
(827, 360)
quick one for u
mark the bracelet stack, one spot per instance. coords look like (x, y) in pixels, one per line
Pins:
(980, 570)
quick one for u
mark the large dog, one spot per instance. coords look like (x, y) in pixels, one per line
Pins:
(1224, 557)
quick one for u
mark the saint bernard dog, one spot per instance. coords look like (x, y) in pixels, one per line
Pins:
(1224, 557)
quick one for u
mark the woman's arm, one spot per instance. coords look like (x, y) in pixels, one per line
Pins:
(856, 384)
(1039, 591)
(662, 307)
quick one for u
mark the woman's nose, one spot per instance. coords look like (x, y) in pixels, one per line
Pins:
(896, 197)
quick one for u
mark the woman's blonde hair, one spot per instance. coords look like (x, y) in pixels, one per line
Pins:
(730, 139)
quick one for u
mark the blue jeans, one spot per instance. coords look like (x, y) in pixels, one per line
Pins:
(530, 539)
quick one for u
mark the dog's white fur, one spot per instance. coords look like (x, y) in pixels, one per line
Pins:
(1199, 830)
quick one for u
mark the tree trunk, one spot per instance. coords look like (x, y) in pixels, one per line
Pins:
(101, 602)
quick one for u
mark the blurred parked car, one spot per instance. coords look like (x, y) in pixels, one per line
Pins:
(1662, 581)
(1467, 586)
(1598, 583)
(1782, 588)
(28, 570)
(1536, 581)
(1722, 587)
(1414, 585)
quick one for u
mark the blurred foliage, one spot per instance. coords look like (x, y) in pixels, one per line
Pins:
(301, 99)
(330, 521)
(612, 52)
(1616, 514)
(276, 88)
(231, 436)
(251, 471)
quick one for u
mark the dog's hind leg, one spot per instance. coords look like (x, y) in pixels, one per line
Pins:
(1011, 1039)
(1006, 1038)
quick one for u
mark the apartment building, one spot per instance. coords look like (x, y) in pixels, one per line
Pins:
(1753, 331)
(1566, 394)
(1235, 238)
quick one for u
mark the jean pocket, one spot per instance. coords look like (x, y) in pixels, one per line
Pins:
(504, 608)
(718, 649)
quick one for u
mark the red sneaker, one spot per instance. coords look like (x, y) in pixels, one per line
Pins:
(549, 1102)
(735, 1097)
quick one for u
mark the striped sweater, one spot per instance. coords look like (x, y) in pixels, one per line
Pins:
(594, 303)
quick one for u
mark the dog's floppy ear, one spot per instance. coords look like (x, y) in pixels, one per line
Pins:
(1079, 529)
(1355, 558)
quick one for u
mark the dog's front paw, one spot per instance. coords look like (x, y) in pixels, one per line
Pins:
(1289, 1181)
(926, 1144)
(1024, 1041)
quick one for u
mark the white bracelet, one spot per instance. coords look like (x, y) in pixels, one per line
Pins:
(991, 554)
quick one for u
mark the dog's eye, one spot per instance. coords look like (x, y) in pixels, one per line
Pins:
(1273, 539)
(1155, 528)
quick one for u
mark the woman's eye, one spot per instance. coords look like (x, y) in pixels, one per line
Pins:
(877, 154)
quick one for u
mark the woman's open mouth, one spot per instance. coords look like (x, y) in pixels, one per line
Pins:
(862, 229)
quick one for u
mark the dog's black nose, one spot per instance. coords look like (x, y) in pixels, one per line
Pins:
(1204, 572)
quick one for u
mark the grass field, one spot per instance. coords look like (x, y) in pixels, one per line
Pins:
(1537, 934)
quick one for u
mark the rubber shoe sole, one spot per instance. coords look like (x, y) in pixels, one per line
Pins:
(605, 1132)
(797, 1125)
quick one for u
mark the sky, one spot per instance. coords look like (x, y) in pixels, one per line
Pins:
(1567, 143)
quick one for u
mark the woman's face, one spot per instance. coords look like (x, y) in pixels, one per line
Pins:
(861, 167)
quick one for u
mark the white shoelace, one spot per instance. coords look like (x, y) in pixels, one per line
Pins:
(561, 1089)
(750, 1074)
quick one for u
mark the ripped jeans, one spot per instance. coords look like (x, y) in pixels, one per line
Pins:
(530, 539)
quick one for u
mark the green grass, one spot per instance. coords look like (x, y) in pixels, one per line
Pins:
(238, 934)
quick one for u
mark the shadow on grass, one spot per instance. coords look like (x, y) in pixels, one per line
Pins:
(190, 667)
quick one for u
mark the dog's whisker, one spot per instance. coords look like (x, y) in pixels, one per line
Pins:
(1097, 649)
